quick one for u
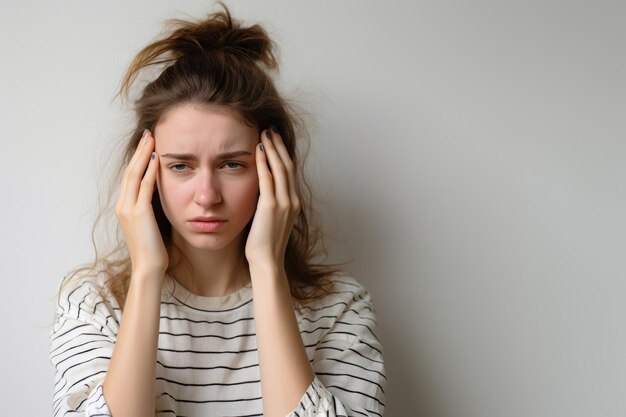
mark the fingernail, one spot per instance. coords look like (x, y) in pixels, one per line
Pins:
(262, 148)
(268, 134)
(152, 156)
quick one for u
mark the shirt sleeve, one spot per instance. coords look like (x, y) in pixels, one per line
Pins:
(348, 364)
(81, 345)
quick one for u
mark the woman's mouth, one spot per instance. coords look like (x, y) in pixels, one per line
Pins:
(205, 226)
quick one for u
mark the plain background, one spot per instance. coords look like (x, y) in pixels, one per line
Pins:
(468, 157)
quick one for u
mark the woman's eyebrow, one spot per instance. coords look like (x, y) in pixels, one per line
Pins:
(233, 154)
(192, 158)
(180, 156)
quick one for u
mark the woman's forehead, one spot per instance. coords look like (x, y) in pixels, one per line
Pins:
(217, 129)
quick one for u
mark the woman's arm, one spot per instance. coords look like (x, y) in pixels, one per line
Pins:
(284, 366)
(288, 382)
(129, 384)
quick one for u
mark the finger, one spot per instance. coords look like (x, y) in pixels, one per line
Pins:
(279, 172)
(137, 169)
(133, 159)
(282, 151)
(140, 146)
(266, 183)
(147, 183)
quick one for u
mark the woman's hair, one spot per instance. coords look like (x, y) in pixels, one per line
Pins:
(219, 62)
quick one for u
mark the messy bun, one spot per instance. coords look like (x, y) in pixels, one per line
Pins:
(217, 61)
(203, 41)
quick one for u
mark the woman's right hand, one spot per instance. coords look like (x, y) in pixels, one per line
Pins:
(135, 214)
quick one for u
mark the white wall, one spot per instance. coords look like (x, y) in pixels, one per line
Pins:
(471, 156)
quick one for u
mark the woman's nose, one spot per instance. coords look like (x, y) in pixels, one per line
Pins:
(207, 191)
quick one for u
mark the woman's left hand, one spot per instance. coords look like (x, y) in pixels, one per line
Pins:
(278, 204)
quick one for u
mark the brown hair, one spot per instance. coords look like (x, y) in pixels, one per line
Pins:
(217, 61)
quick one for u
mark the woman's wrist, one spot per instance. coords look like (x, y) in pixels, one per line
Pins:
(147, 278)
(265, 270)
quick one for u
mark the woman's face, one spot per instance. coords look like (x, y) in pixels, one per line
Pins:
(207, 178)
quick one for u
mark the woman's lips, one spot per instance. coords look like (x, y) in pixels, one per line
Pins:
(204, 226)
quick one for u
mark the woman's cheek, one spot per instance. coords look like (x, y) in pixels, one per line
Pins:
(173, 196)
(250, 194)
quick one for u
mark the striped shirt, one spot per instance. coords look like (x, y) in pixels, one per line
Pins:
(207, 362)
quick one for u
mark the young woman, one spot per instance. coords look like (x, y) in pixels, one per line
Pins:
(212, 305)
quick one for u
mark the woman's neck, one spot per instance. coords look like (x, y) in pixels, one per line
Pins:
(209, 273)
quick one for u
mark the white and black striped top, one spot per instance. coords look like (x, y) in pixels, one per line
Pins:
(207, 362)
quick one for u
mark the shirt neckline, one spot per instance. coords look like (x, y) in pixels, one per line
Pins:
(186, 298)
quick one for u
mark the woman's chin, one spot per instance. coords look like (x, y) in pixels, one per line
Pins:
(207, 241)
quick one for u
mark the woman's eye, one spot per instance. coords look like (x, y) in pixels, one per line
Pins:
(233, 165)
(178, 167)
